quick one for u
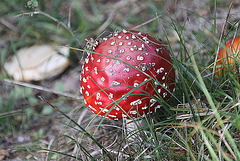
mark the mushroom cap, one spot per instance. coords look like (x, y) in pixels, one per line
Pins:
(125, 73)
(38, 62)
(228, 59)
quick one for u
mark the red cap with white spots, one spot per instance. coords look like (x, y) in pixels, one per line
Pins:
(124, 73)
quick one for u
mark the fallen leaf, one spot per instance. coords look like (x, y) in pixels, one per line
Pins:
(3, 153)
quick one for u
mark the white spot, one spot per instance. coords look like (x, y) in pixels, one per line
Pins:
(158, 106)
(98, 103)
(82, 72)
(118, 109)
(159, 90)
(109, 51)
(144, 107)
(91, 107)
(81, 90)
(157, 50)
(139, 33)
(117, 62)
(86, 60)
(92, 58)
(127, 37)
(85, 101)
(103, 79)
(138, 75)
(164, 94)
(112, 116)
(143, 46)
(146, 53)
(115, 83)
(104, 38)
(140, 49)
(107, 60)
(139, 57)
(160, 70)
(126, 69)
(84, 80)
(135, 84)
(157, 83)
(132, 49)
(121, 43)
(145, 38)
(173, 89)
(87, 93)
(153, 104)
(147, 42)
(88, 86)
(137, 102)
(163, 78)
(152, 100)
(95, 68)
(144, 68)
(112, 43)
(133, 37)
(124, 31)
(105, 110)
(145, 79)
(98, 96)
(129, 43)
(119, 37)
(110, 96)
(99, 60)
(133, 112)
(86, 69)
(164, 85)
(128, 57)
(122, 51)
(124, 116)
(115, 34)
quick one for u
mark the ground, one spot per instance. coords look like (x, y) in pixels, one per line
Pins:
(30, 129)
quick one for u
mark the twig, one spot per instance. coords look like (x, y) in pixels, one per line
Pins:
(147, 22)
(43, 89)
(106, 23)
(187, 116)
(10, 112)
(69, 16)
(9, 25)
(52, 18)
(49, 146)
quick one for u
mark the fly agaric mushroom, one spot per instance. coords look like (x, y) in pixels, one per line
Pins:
(229, 56)
(124, 73)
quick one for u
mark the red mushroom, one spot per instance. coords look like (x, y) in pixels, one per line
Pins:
(227, 59)
(124, 73)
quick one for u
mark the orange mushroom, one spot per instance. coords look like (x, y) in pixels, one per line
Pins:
(229, 57)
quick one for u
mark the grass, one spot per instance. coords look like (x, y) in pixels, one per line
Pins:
(203, 118)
